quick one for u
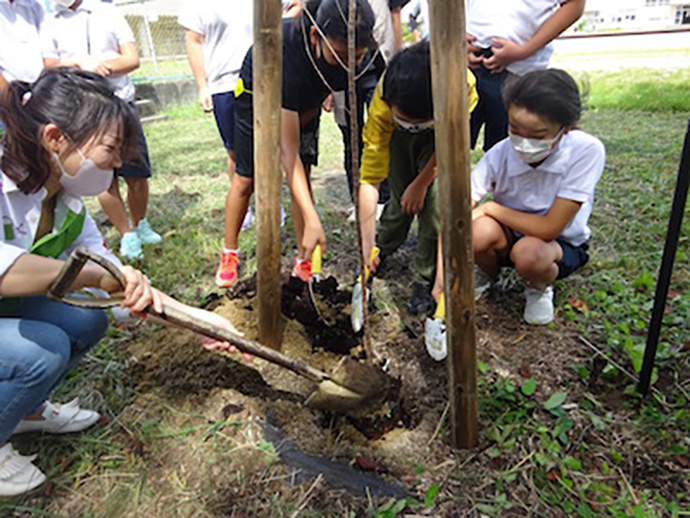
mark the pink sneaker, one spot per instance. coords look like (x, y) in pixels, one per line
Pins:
(227, 274)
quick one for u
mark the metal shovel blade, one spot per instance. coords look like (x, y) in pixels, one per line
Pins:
(356, 310)
(352, 385)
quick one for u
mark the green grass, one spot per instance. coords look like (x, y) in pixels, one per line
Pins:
(608, 302)
(655, 91)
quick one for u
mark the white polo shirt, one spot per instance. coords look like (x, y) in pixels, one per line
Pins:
(228, 31)
(94, 28)
(20, 49)
(515, 20)
(570, 172)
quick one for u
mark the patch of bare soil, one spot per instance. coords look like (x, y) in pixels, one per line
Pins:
(406, 441)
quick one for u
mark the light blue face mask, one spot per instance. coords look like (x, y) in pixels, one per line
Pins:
(413, 127)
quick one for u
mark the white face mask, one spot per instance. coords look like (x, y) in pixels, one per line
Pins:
(90, 180)
(65, 3)
(533, 150)
(412, 127)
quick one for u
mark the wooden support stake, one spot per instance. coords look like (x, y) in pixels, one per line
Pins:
(354, 146)
(267, 83)
(451, 112)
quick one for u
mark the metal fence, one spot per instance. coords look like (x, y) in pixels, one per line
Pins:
(159, 38)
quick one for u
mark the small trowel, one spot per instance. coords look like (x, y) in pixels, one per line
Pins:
(356, 309)
(316, 277)
(435, 332)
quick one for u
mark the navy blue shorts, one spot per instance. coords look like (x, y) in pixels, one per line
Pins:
(574, 257)
(142, 168)
(244, 133)
(224, 112)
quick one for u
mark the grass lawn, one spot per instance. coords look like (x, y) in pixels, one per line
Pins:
(603, 452)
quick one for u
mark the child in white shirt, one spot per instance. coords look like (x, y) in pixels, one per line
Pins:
(542, 179)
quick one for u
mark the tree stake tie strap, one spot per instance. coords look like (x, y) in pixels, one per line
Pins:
(349, 386)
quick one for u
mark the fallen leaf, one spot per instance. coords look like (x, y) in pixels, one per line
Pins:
(579, 304)
(231, 409)
(553, 475)
(683, 461)
(672, 294)
(366, 464)
(668, 310)
(524, 370)
(103, 421)
(520, 338)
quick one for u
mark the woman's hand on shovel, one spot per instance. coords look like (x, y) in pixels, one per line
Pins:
(138, 294)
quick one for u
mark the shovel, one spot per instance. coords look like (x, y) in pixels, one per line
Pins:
(316, 277)
(351, 384)
(435, 332)
(356, 310)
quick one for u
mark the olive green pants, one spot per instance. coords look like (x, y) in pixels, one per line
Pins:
(409, 154)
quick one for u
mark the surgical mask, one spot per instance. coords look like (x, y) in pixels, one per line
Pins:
(412, 127)
(90, 180)
(65, 3)
(533, 150)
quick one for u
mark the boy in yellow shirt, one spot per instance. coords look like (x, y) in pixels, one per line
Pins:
(399, 146)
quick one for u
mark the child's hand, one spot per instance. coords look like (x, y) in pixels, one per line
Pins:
(313, 235)
(205, 99)
(218, 321)
(91, 64)
(474, 62)
(412, 201)
(505, 53)
(478, 211)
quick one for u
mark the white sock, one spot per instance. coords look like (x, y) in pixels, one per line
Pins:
(231, 250)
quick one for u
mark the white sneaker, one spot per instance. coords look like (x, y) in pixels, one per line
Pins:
(351, 214)
(435, 338)
(482, 283)
(538, 306)
(67, 418)
(17, 473)
(248, 219)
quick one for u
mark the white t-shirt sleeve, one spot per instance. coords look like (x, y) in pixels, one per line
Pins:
(585, 171)
(483, 174)
(190, 16)
(121, 29)
(48, 43)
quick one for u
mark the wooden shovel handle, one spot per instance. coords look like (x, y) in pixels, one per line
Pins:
(75, 263)
(180, 318)
(172, 316)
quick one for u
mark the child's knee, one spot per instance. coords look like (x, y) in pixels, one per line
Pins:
(531, 256)
(243, 185)
(487, 235)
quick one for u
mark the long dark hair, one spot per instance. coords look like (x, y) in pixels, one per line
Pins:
(82, 104)
(332, 18)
